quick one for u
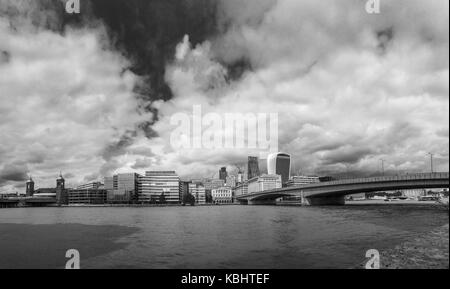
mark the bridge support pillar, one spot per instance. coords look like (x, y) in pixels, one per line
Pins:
(262, 202)
(324, 201)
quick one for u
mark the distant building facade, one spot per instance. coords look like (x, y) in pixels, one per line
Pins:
(212, 184)
(198, 192)
(45, 193)
(223, 174)
(184, 190)
(231, 181)
(264, 183)
(87, 196)
(90, 186)
(122, 188)
(159, 186)
(326, 179)
(223, 195)
(241, 189)
(296, 181)
(279, 164)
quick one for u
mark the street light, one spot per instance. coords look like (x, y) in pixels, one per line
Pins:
(431, 161)
(347, 166)
(382, 166)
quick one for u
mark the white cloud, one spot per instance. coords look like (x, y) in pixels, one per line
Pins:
(64, 98)
(349, 87)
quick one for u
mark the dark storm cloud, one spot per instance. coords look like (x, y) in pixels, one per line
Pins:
(145, 31)
(15, 172)
(149, 30)
(118, 148)
(238, 68)
(327, 147)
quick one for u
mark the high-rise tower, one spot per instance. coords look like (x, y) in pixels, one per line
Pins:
(253, 167)
(223, 174)
(279, 164)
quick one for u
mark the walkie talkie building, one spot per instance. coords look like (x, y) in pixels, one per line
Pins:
(279, 164)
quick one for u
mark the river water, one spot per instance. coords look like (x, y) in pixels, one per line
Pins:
(222, 237)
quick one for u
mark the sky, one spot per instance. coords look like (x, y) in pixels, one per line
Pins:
(93, 94)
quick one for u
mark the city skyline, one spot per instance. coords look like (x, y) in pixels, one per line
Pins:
(234, 173)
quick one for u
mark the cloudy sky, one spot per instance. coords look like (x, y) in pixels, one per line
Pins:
(93, 94)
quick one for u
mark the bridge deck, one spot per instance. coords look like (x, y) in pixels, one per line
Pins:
(351, 186)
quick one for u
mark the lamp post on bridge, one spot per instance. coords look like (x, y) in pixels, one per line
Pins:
(382, 166)
(347, 166)
(431, 161)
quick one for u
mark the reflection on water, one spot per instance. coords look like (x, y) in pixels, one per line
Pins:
(208, 237)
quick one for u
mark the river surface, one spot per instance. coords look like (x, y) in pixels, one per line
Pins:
(220, 237)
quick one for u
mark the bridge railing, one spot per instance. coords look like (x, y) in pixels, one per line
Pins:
(397, 178)
(421, 176)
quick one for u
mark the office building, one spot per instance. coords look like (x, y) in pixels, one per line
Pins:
(122, 188)
(264, 183)
(241, 189)
(223, 174)
(296, 181)
(279, 164)
(231, 181)
(326, 179)
(159, 187)
(184, 190)
(253, 167)
(90, 186)
(223, 195)
(212, 184)
(198, 192)
(87, 196)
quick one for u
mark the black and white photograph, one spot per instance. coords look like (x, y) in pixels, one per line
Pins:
(242, 136)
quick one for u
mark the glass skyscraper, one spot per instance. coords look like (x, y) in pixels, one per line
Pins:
(253, 168)
(279, 164)
(223, 174)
